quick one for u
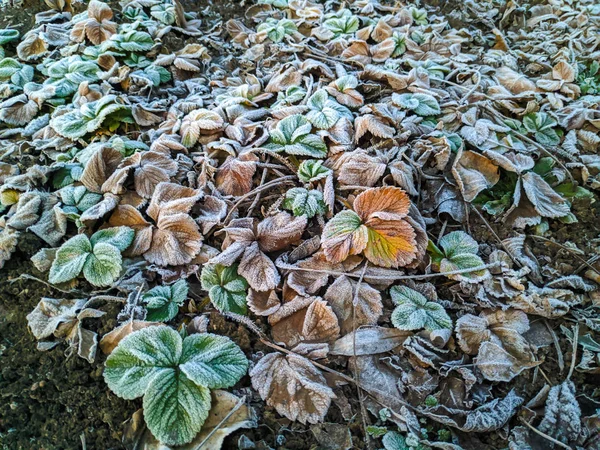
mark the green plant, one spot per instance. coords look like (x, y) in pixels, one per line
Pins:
(293, 136)
(163, 302)
(303, 202)
(98, 257)
(542, 126)
(77, 199)
(324, 112)
(342, 23)
(459, 251)
(588, 78)
(276, 30)
(175, 376)
(414, 311)
(91, 116)
(421, 104)
(226, 289)
(312, 170)
(65, 75)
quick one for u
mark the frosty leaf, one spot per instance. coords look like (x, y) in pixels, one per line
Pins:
(197, 122)
(97, 27)
(323, 112)
(293, 386)
(175, 407)
(377, 227)
(312, 170)
(99, 257)
(344, 24)
(474, 173)
(394, 441)
(353, 309)
(562, 416)
(544, 199)
(369, 341)
(49, 313)
(303, 202)
(510, 353)
(70, 258)
(103, 265)
(111, 339)
(8, 35)
(18, 110)
(88, 118)
(132, 41)
(344, 235)
(276, 30)
(459, 253)
(293, 136)
(421, 104)
(414, 311)
(226, 289)
(174, 375)
(541, 125)
(163, 302)
(119, 237)
(492, 415)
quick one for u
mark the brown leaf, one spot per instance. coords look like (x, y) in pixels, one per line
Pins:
(234, 176)
(110, 340)
(515, 82)
(354, 309)
(175, 241)
(277, 232)
(474, 173)
(314, 323)
(293, 386)
(258, 269)
(99, 168)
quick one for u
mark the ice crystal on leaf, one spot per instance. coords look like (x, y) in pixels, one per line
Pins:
(174, 376)
(377, 227)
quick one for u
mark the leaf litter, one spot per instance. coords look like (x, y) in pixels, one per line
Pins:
(397, 201)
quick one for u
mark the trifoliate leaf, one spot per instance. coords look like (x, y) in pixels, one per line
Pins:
(303, 202)
(459, 253)
(325, 112)
(293, 136)
(175, 376)
(421, 104)
(415, 312)
(312, 170)
(163, 302)
(227, 290)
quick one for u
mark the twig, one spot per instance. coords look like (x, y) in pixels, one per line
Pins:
(50, 285)
(392, 274)
(559, 355)
(572, 251)
(269, 185)
(237, 406)
(574, 354)
(544, 435)
(356, 375)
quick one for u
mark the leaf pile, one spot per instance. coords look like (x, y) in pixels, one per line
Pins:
(392, 198)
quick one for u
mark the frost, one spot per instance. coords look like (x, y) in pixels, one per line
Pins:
(293, 386)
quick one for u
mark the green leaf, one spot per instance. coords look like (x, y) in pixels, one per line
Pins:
(174, 375)
(119, 237)
(134, 41)
(139, 357)
(163, 302)
(103, 266)
(459, 253)
(421, 104)
(394, 441)
(8, 35)
(212, 361)
(292, 135)
(303, 202)
(415, 312)
(70, 259)
(312, 170)
(458, 242)
(325, 112)
(227, 290)
(175, 407)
